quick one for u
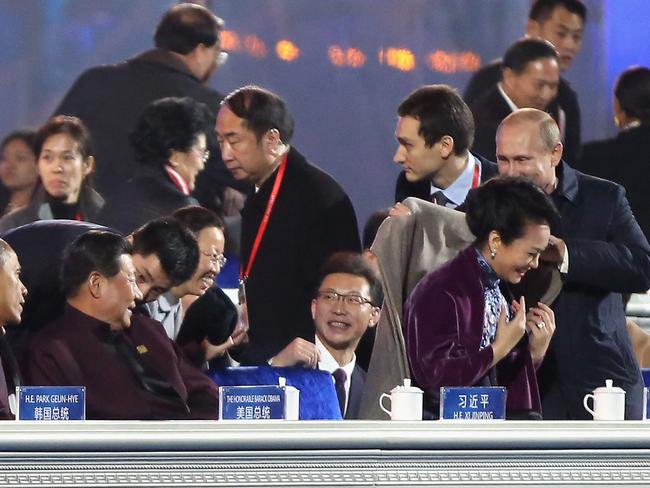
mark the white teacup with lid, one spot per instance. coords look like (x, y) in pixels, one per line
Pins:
(406, 402)
(609, 402)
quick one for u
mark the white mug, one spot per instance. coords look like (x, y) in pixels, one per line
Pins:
(609, 402)
(406, 402)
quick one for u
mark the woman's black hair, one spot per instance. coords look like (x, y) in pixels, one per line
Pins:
(168, 124)
(507, 205)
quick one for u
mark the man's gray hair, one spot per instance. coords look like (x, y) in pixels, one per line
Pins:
(5, 251)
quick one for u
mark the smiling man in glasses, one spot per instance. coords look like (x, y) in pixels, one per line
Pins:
(344, 307)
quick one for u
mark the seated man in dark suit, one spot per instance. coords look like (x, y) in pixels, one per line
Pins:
(130, 368)
(561, 22)
(600, 252)
(344, 307)
(530, 79)
(625, 158)
(435, 130)
(165, 254)
(12, 297)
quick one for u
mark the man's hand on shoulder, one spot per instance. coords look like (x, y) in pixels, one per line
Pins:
(554, 252)
(398, 210)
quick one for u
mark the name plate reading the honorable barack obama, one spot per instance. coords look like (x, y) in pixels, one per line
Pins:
(46, 403)
(473, 403)
(258, 403)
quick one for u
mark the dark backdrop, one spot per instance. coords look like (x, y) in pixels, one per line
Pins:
(343, 86)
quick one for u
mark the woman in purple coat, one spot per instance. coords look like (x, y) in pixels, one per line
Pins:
(458, 327)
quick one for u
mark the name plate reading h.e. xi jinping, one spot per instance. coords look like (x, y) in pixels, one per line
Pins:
(473, 403)
(45, 403)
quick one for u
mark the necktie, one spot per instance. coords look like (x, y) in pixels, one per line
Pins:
(339, 385)
(440, 198)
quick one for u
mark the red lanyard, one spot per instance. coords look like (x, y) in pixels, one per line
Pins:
(178, 180)
(477, 175)
(243, 275)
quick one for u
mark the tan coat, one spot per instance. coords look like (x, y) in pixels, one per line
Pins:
(407, 248)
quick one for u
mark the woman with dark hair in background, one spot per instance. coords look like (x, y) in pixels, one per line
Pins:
(18, 170)
(458, 328)
(65, 161)
(625, 159)
(169, 142)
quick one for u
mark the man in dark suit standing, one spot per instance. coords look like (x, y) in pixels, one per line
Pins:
(530, 79)
(109, 99)
(130, 368)
(297, 216)
(600, 252)
(561, 22)
(435, 130)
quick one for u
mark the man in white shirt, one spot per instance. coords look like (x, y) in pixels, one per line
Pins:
(530, 79)
(344, 307)
(434, 133)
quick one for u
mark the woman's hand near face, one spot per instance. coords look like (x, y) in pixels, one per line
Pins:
(540, 324)
(508, 334)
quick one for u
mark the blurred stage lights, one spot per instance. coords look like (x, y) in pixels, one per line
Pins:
(230, 41)
(399, 58)
(255, 46)
(350, 57)
(446, 62)
(287, 50)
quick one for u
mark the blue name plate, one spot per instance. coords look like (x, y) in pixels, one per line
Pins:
(46, 403)
(251, 402)
(473, 403)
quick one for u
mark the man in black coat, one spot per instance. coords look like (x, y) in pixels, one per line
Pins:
(435, 130)
(601, 253)
(530, 79)
(109, 99)
(297, 216)
(561, 22)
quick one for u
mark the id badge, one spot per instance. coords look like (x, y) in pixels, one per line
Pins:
(243, 307)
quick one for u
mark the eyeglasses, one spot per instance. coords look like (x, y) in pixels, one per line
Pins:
(204, 153)
(216, 258)
(332, 297)
(221, 58)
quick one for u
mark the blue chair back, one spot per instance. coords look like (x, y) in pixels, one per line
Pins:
(318, 400)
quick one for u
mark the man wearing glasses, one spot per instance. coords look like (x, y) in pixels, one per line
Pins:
(212, 330)
(344, 307)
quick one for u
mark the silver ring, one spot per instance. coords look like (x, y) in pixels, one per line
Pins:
(540, 325)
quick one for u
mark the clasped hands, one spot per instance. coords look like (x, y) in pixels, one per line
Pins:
(538, 322)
